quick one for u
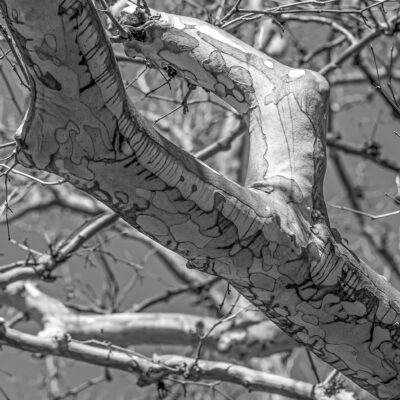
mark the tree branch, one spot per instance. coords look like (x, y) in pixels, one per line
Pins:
(257, 339)
(42, 267)
(150, 371)
(271, 240)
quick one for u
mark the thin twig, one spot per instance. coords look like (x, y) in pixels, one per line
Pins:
(9, 144)
(356, 47)
(169, 293)
(365, 214)
(44, 183)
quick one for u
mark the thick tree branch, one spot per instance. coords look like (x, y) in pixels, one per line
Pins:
(272, 240)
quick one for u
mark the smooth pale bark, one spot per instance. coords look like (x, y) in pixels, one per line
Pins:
(271, 240)
(153, 370)
(230, 338)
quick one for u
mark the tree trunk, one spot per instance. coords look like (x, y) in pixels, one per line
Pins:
(271, 240)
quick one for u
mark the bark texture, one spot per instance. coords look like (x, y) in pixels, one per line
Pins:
(271, 240)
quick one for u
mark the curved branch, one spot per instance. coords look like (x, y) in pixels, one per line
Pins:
(272, 241)
(62, 198)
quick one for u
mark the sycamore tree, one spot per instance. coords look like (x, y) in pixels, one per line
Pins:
(124, 104)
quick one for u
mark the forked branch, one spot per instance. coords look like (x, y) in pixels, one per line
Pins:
(271, 240)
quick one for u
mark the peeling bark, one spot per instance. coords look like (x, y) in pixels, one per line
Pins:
(271, 240)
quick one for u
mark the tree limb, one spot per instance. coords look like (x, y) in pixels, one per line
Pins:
(236, 340)
(150, 371)
(271, 240)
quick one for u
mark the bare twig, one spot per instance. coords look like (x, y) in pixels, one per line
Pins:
(25, 175)
(170, 293)
(365, 214)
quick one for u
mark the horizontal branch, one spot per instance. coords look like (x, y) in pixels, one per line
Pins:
(258, 339)
(61, 197)
(150, 371)
(362, 151)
